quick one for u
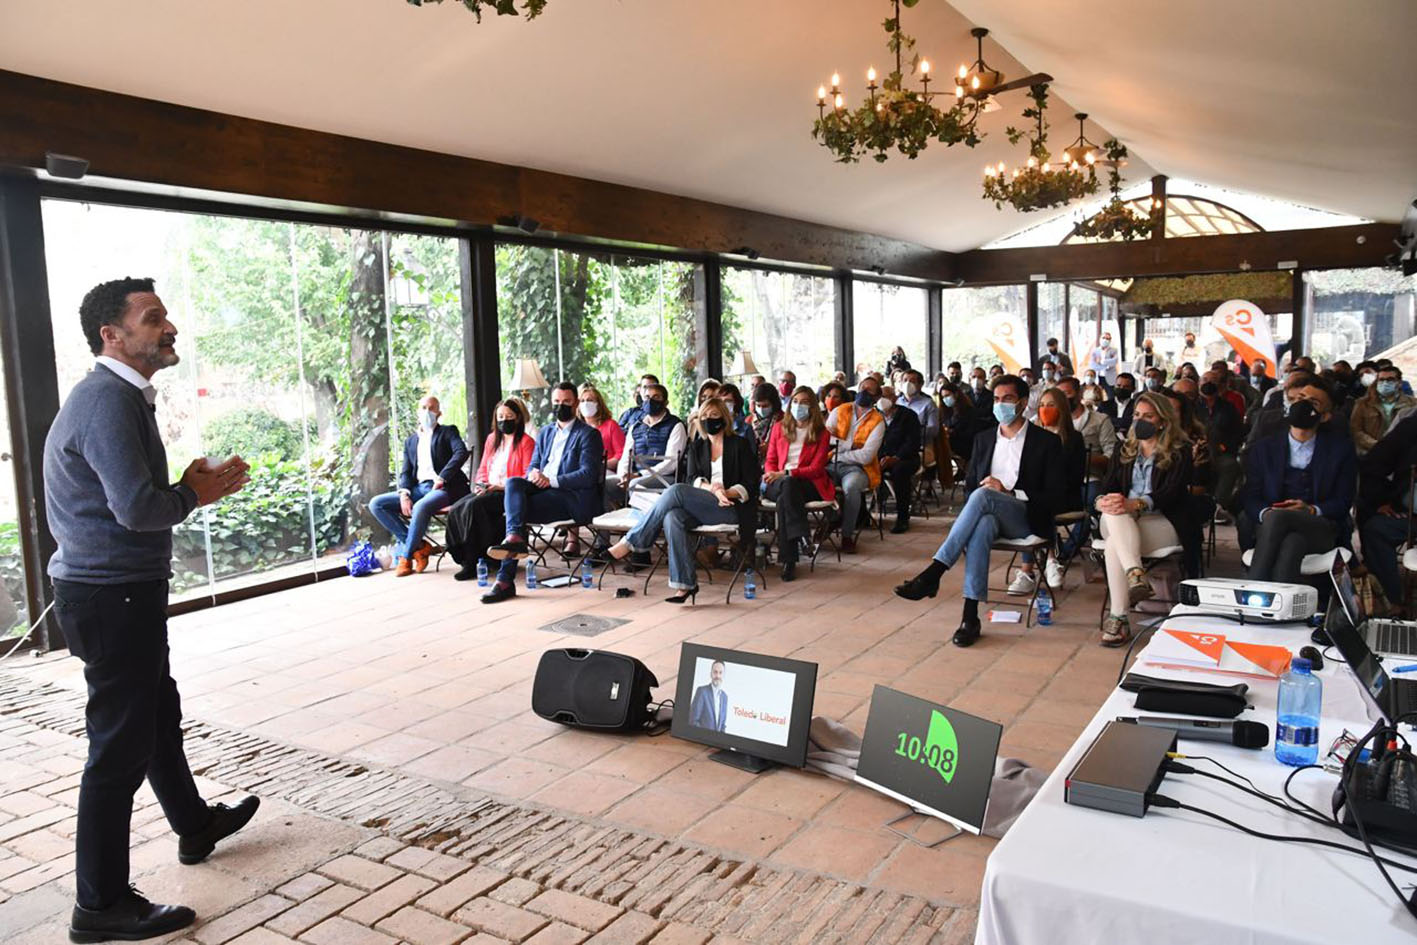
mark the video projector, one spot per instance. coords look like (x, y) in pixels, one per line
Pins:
(1252, 600)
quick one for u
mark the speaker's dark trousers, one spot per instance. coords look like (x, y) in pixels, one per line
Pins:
(133, 720)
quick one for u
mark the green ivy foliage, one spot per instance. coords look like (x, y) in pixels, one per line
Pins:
(251, 431)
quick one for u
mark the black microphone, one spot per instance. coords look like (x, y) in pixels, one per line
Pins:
(1242, 734)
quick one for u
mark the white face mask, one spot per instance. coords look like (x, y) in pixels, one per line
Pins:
(912, 389)
(1367, 378)
(427, 418)
(589, 409)
(884, 404)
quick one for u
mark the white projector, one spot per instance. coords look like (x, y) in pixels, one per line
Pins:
(1253, 600)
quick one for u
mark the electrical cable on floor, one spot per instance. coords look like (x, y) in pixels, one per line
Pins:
(20, 642)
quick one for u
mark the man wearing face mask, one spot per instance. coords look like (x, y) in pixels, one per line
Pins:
(632, 414)
(786, 384)
(1268, 421)
(1190, 351)
(1155, 379)
(1374, 413)
(431, 479)
(1365, 376)
(1299, 487)
(979, 390)
(954, 372)
(900, 454)
(1119, 408)
(1056, 356)
(1149, 357)
(1224, 432)
(1014, 490)
(564, 482)
(651, 458)
(1104, 359)
(925, 411)
(857, 429)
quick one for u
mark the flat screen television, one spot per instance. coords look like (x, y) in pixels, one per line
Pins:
(756, 709)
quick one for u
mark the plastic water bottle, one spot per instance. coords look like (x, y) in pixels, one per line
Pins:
(750, 585)
(481, 572)
(587, 574)
(1296, 736)
(1044, 603)
(531, 575)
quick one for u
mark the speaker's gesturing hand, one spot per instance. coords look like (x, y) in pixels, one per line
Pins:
(211, 483)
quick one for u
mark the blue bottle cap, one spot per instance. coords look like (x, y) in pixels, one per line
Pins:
(1300, 665)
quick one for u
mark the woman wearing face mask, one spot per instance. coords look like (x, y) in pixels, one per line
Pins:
(707, 389)
(722, 488)
(478, 520)
(1144, 502)
(958, 421)
(767, 410)
(593, 411)
(732, 397)
(898, 362)
(796, 473)
(1055, 415)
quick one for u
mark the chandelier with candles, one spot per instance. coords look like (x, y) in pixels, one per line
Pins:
(1045, 180)
(1117, 220)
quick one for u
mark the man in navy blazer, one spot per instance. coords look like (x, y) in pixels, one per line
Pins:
(431, 479)
(709, 707)
(564, 481)
(1300, 486)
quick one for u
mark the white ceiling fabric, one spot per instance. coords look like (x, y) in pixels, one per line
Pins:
(715, 100)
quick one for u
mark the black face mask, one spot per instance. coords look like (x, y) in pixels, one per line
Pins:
(654, 407)
(1209, 389)
(1303, 416)
(865, 398)
(1143, 429)
(506, 427)
(713, 426)
(955, 376)
(564, 412)
(1124, 394)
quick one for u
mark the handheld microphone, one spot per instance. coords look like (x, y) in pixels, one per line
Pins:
(1241, 734)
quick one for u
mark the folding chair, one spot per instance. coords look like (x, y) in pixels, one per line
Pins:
(826, 527)
(1016, 546)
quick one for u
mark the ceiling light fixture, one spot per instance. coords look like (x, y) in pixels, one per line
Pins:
(1117, 220)
(1043, 181)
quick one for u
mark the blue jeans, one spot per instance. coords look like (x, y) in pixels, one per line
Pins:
(1381, 536)
(426, 501)
(681, 508)
(988, 515)
(854, 482)
(526, 504)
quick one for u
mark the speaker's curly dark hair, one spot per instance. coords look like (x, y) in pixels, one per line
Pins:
(105, 304)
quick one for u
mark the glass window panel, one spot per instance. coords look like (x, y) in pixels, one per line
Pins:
(887, 316)
(14, 602)
(984, 326)
(1052, 318)
(786, 320)
(1362, 314)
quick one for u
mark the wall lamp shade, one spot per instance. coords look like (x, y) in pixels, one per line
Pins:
(743, 365)
(527, 376)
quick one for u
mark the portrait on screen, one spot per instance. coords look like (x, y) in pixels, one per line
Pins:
(740, 700)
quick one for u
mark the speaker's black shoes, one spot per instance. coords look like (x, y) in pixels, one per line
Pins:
(130, 919)
(225, 822)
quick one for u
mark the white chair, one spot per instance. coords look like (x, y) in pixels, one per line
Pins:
(1148, 561)
(1017, 546)
(610, 525)
(1312, 565)
(729, 533)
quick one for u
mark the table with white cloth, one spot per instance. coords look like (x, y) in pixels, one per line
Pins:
(1067, 874)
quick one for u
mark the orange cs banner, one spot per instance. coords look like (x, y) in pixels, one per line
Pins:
(1247, 329)
(1009, 338)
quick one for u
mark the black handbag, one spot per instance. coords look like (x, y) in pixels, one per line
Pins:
(1187, 698)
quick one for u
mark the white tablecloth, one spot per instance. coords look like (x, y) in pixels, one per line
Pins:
(1067, 874)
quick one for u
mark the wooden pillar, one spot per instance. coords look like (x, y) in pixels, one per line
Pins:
(1158, 198)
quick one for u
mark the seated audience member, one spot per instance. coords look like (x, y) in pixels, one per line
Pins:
(1155, 379)
(954, 373)
(1365, 375)
(707, 389)
(900, 454)
(594, 412)
(1374, 412)
(631, 414)
(1144, 502)
(431, 479)
(1227, 382)
(1123, 396)
(722, 489)
(1148, 357)
(1056, 416)
(1099, 440)
(1188, 371)
(1299, 487)
(913, 396)
(652, 449)
(786, 383)
(767, 410)
(898, 361)
(796, 473)
(979, 391)
(1058, 358)
(857, 430)
(996, 371)
(476, 521)
(840, 378)
(1190, 351)
(1183, 402)
(1035, 391)
(833, 395)
(957, 419)
(732, 398)
(1385, 506)
(1259, 377)
(1224, 433)
(564, 482)
(1269, 420)
(1014, 491)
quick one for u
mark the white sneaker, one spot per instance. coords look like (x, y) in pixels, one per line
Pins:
(1054, 571)
(1024, 584)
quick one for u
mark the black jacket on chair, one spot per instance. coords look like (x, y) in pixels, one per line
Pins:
(1171, 496)
(1037, 473)
(903, 436)
(740, 468)
(1386, 469)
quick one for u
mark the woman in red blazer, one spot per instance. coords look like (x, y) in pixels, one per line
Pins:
(795, 472)
(478, 520)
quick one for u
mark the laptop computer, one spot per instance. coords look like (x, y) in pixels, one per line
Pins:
(1391, 697)
(1384, 637)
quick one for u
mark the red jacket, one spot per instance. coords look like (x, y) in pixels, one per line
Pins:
(614, 439)
(811, 465)
(517, 461)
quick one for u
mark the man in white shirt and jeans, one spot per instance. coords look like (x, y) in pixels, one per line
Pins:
(1014, 487)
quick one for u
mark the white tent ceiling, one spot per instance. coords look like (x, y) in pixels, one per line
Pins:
(1295, 98)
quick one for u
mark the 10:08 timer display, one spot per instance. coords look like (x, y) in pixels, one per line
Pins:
(939, 751)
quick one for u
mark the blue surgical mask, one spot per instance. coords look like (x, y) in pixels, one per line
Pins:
(800, 412)
(1387, 387)
(426, 419)
(949, 400)
(1005, 413)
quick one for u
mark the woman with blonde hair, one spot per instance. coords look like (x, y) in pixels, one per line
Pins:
(1143, 502)
(796, 472)
(594, 412)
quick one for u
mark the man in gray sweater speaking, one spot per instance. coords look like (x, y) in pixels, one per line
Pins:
(111, 509)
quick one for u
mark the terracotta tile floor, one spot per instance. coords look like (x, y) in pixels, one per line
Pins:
(416, 674)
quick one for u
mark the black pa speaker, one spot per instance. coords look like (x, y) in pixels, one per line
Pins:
(593, 689)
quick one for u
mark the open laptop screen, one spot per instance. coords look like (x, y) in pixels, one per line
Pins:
(1348, 638)
(1347, 593)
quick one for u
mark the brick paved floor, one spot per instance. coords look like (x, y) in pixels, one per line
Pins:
(421, 694)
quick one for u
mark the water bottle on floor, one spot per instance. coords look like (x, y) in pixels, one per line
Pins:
(587, 574)
(1043, 605)
(531, 575)
(1296, 732)
(750, 585)
(481, 572)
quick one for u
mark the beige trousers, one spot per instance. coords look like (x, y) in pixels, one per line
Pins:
(1128, 540)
